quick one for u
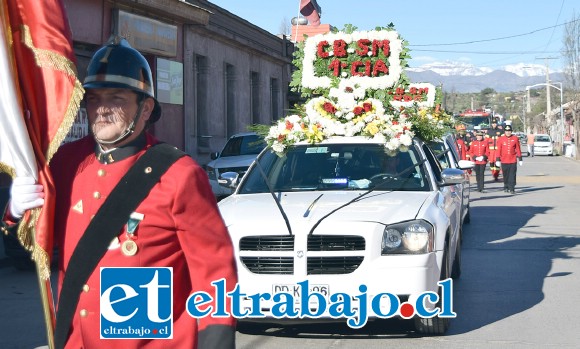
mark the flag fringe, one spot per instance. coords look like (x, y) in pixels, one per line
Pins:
(26, 233)
(55, 61)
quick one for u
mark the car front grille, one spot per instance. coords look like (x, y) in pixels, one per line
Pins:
(267, 243)
(269, 265)
(252, 246)
(333, 265)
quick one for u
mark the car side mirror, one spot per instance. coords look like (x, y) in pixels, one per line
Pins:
(466, 164)
(452, 176)
(214, 155)
(229, 179)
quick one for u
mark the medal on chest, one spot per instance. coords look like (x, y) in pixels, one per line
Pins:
(129, 246)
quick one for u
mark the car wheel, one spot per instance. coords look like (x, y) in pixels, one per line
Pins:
(435, 326)
(467, 218)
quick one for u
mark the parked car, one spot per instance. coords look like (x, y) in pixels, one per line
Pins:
(236, 156)
(543, 145)
(344, 213)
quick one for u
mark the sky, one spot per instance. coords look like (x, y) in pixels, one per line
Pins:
(484, 33)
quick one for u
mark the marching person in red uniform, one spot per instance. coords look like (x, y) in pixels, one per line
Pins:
(176, 226)
(508, 153)
(479, 153)
(461, 141)
(493, 134)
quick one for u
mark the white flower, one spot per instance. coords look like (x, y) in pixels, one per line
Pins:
(406, 139)
(278, 147)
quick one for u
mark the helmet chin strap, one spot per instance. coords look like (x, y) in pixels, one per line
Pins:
(129, 131)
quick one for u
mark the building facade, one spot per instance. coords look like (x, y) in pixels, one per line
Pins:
(215, 73)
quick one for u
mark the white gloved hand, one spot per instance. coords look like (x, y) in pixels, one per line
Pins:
(521, 163)
(479, 158)
(25, 194)
(498, 163)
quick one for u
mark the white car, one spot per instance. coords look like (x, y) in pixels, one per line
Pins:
(543, 145)
(345, 213)
(236, 156)
(446, 151)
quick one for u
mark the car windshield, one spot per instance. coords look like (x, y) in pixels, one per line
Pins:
(243, 145)
(542, 139)
(337, 167)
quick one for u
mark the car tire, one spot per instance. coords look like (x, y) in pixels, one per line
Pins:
(435, 326)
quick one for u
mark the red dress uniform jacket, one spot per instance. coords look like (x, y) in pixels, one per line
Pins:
(181, 228)
(479, 148)
(508, 149)
(462, 149)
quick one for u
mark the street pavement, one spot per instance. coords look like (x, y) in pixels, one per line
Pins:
(519, 288)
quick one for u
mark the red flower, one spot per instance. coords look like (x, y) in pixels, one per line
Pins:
(358, 110)
(395, 122)
(281, 138)
(320, 49)
(348, 89)
(329, 108)
(289, 125)
(368, 107)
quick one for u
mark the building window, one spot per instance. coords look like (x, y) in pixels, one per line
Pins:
(201, 102)
(230, 101)
(274, 99)
(255, 96)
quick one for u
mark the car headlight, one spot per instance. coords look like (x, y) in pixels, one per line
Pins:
(211, 172)
(408, 237)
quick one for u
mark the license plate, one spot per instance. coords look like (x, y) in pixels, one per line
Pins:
(295, 290)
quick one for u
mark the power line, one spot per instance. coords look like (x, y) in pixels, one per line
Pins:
(488, 52)
(496, 39)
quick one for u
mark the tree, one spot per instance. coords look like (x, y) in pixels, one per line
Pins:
(571, 53)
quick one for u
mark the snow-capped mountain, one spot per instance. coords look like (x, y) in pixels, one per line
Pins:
(466, 78)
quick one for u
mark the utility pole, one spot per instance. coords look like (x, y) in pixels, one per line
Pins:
(548, 99)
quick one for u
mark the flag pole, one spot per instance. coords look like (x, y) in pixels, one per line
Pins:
(46, 298)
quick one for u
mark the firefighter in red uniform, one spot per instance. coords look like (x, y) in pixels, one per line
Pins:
(479, 153)
(461, 141)
(508, 153)
(176, 226)
(493, 134)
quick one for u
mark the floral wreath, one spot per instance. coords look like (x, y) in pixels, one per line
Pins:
(354, 85)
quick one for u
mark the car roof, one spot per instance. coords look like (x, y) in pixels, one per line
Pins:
(242, 134)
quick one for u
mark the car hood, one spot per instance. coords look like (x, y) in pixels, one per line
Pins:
(309, 207)
(233, 161)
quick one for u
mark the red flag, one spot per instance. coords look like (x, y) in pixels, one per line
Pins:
(310, 10)
(42, 65)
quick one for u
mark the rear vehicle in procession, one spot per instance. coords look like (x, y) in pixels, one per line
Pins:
(478, 119)
(236, 156)
(348, 195)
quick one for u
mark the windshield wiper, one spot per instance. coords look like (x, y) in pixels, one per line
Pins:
(265, 178)
(361, 196)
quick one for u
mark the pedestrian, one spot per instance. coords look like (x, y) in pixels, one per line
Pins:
(493, 134)
(177, 225)
(508, 153)
(479, 153)
(531, 137)
(460, 140)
